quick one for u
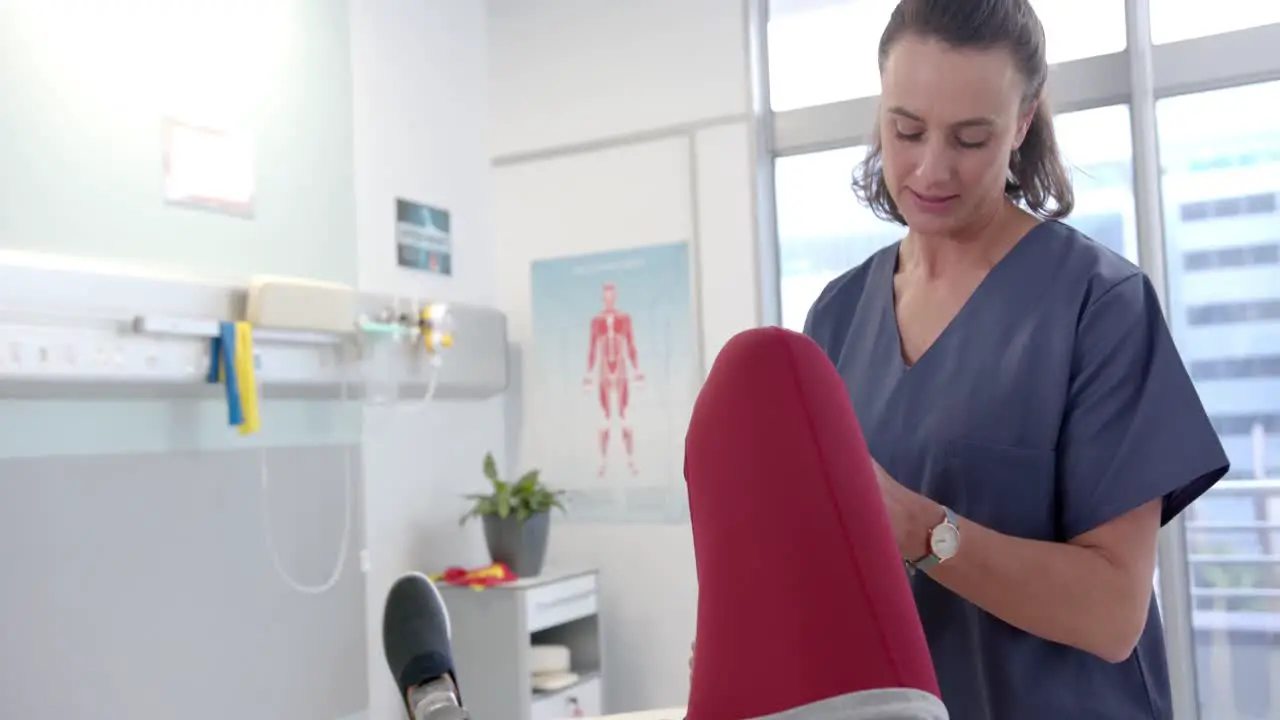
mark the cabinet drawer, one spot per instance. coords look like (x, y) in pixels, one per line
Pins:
(561, 602)
(580, 701)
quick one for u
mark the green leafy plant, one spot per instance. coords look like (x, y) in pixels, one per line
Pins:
(523, 498)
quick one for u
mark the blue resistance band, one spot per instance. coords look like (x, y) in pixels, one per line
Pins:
(222, 368)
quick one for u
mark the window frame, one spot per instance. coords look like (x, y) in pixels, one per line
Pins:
(1181, 68)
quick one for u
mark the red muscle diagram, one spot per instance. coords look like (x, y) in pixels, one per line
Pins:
(612, 366)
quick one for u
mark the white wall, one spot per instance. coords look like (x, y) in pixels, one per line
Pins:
(569, 71)
(421, 111)
(136, 515)
(86, 85)
(618, 125)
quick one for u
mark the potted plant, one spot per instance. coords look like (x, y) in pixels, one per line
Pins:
(516, 517)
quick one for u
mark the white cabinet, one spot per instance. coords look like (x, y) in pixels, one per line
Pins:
(581, 700)
(494, 629)
(559, 602)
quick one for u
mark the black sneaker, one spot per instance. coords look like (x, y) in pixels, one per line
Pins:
(415, 639)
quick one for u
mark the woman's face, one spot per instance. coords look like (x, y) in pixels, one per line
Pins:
(949, 120)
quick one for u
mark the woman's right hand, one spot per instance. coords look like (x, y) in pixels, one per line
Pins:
(693, 646)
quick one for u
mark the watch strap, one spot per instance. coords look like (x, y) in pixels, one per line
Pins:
(931, 559)
(926, 562)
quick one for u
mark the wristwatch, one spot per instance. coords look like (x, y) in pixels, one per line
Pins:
(944, 543)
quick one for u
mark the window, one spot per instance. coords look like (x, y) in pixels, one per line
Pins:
(1221, 175)
(1174, 20)
(1260, 204)
(824, 51)
(1232, 256)
(1258, 366)
(1098, 149)
(1078, 29)
(1246, 424)
(824, 231)
(1234, 312)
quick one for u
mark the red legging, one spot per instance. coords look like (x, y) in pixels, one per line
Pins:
(802, 595)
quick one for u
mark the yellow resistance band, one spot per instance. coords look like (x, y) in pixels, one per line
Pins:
(246, 379)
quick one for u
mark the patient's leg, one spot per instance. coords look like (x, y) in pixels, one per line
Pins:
(415, 638)
(804, 610)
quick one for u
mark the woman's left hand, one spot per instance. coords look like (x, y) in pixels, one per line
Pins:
(911, 515)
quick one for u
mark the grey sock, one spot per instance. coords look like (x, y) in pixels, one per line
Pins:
(436, 700)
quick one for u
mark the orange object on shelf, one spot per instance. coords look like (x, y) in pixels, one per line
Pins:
(477, 578)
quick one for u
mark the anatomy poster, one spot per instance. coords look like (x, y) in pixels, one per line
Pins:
(613, 374)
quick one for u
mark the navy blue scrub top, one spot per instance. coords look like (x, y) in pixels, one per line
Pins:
(1054, 402)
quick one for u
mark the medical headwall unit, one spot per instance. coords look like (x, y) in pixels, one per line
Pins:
(72, 328)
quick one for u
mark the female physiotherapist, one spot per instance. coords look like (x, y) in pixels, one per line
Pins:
(1016, 383)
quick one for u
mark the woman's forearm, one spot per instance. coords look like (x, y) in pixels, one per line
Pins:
(1070, 594)
(1092, 593)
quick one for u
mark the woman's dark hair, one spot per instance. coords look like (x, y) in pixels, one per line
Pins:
(1038, 178)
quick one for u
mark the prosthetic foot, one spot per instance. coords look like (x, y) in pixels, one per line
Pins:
(415, 638)
(804, 611)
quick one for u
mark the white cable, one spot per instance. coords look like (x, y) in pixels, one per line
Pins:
(437, 362)
(343, 546)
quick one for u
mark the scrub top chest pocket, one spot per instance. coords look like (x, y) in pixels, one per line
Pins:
(1008, 489)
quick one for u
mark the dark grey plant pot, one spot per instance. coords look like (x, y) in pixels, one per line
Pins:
(521, 546)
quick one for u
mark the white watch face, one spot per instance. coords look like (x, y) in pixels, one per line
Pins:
(944, 541)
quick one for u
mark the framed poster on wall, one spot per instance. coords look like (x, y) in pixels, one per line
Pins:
(423, 238)
(207, 167)
(614, 372)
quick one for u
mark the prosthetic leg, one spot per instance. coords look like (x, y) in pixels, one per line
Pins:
(804, 611)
